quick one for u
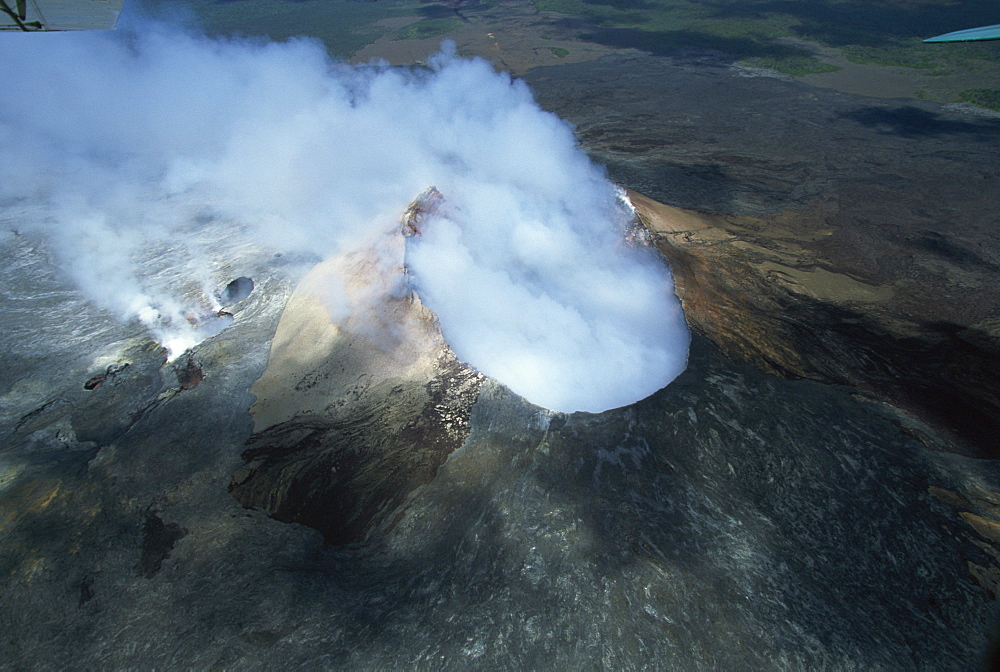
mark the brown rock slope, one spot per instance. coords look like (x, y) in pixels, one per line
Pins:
(353, 414)
(774, 302)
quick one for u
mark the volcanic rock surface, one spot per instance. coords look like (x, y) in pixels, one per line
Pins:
(736, 519)
(351, 417)
(781, 308)
(837, 238)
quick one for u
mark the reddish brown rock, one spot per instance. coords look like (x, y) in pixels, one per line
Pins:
(95, 382)
(190, 376)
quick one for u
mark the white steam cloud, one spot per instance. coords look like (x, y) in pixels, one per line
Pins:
(116, 146)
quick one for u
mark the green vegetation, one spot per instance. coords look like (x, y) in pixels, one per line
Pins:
(988, 98)
(791, 65)
(559, 51)
(757, 32)
(427, 28)
(344, 26)
(912, 55)
(675, 17)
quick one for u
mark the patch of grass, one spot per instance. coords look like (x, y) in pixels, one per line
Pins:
(988, 98)
(878, 33)
(675, 16)
(881, 32)
(559, 51)
(435, 11)
(906, 56)
(344, 26)
(791, 65)
(427, 28)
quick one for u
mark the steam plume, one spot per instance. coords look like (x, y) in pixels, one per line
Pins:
(126, 150)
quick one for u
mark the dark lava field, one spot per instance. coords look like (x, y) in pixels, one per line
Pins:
(818, 490)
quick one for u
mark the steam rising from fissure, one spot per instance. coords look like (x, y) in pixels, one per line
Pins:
(125, 150)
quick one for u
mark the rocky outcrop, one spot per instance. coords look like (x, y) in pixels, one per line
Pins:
(363, 401)
(354, 413)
